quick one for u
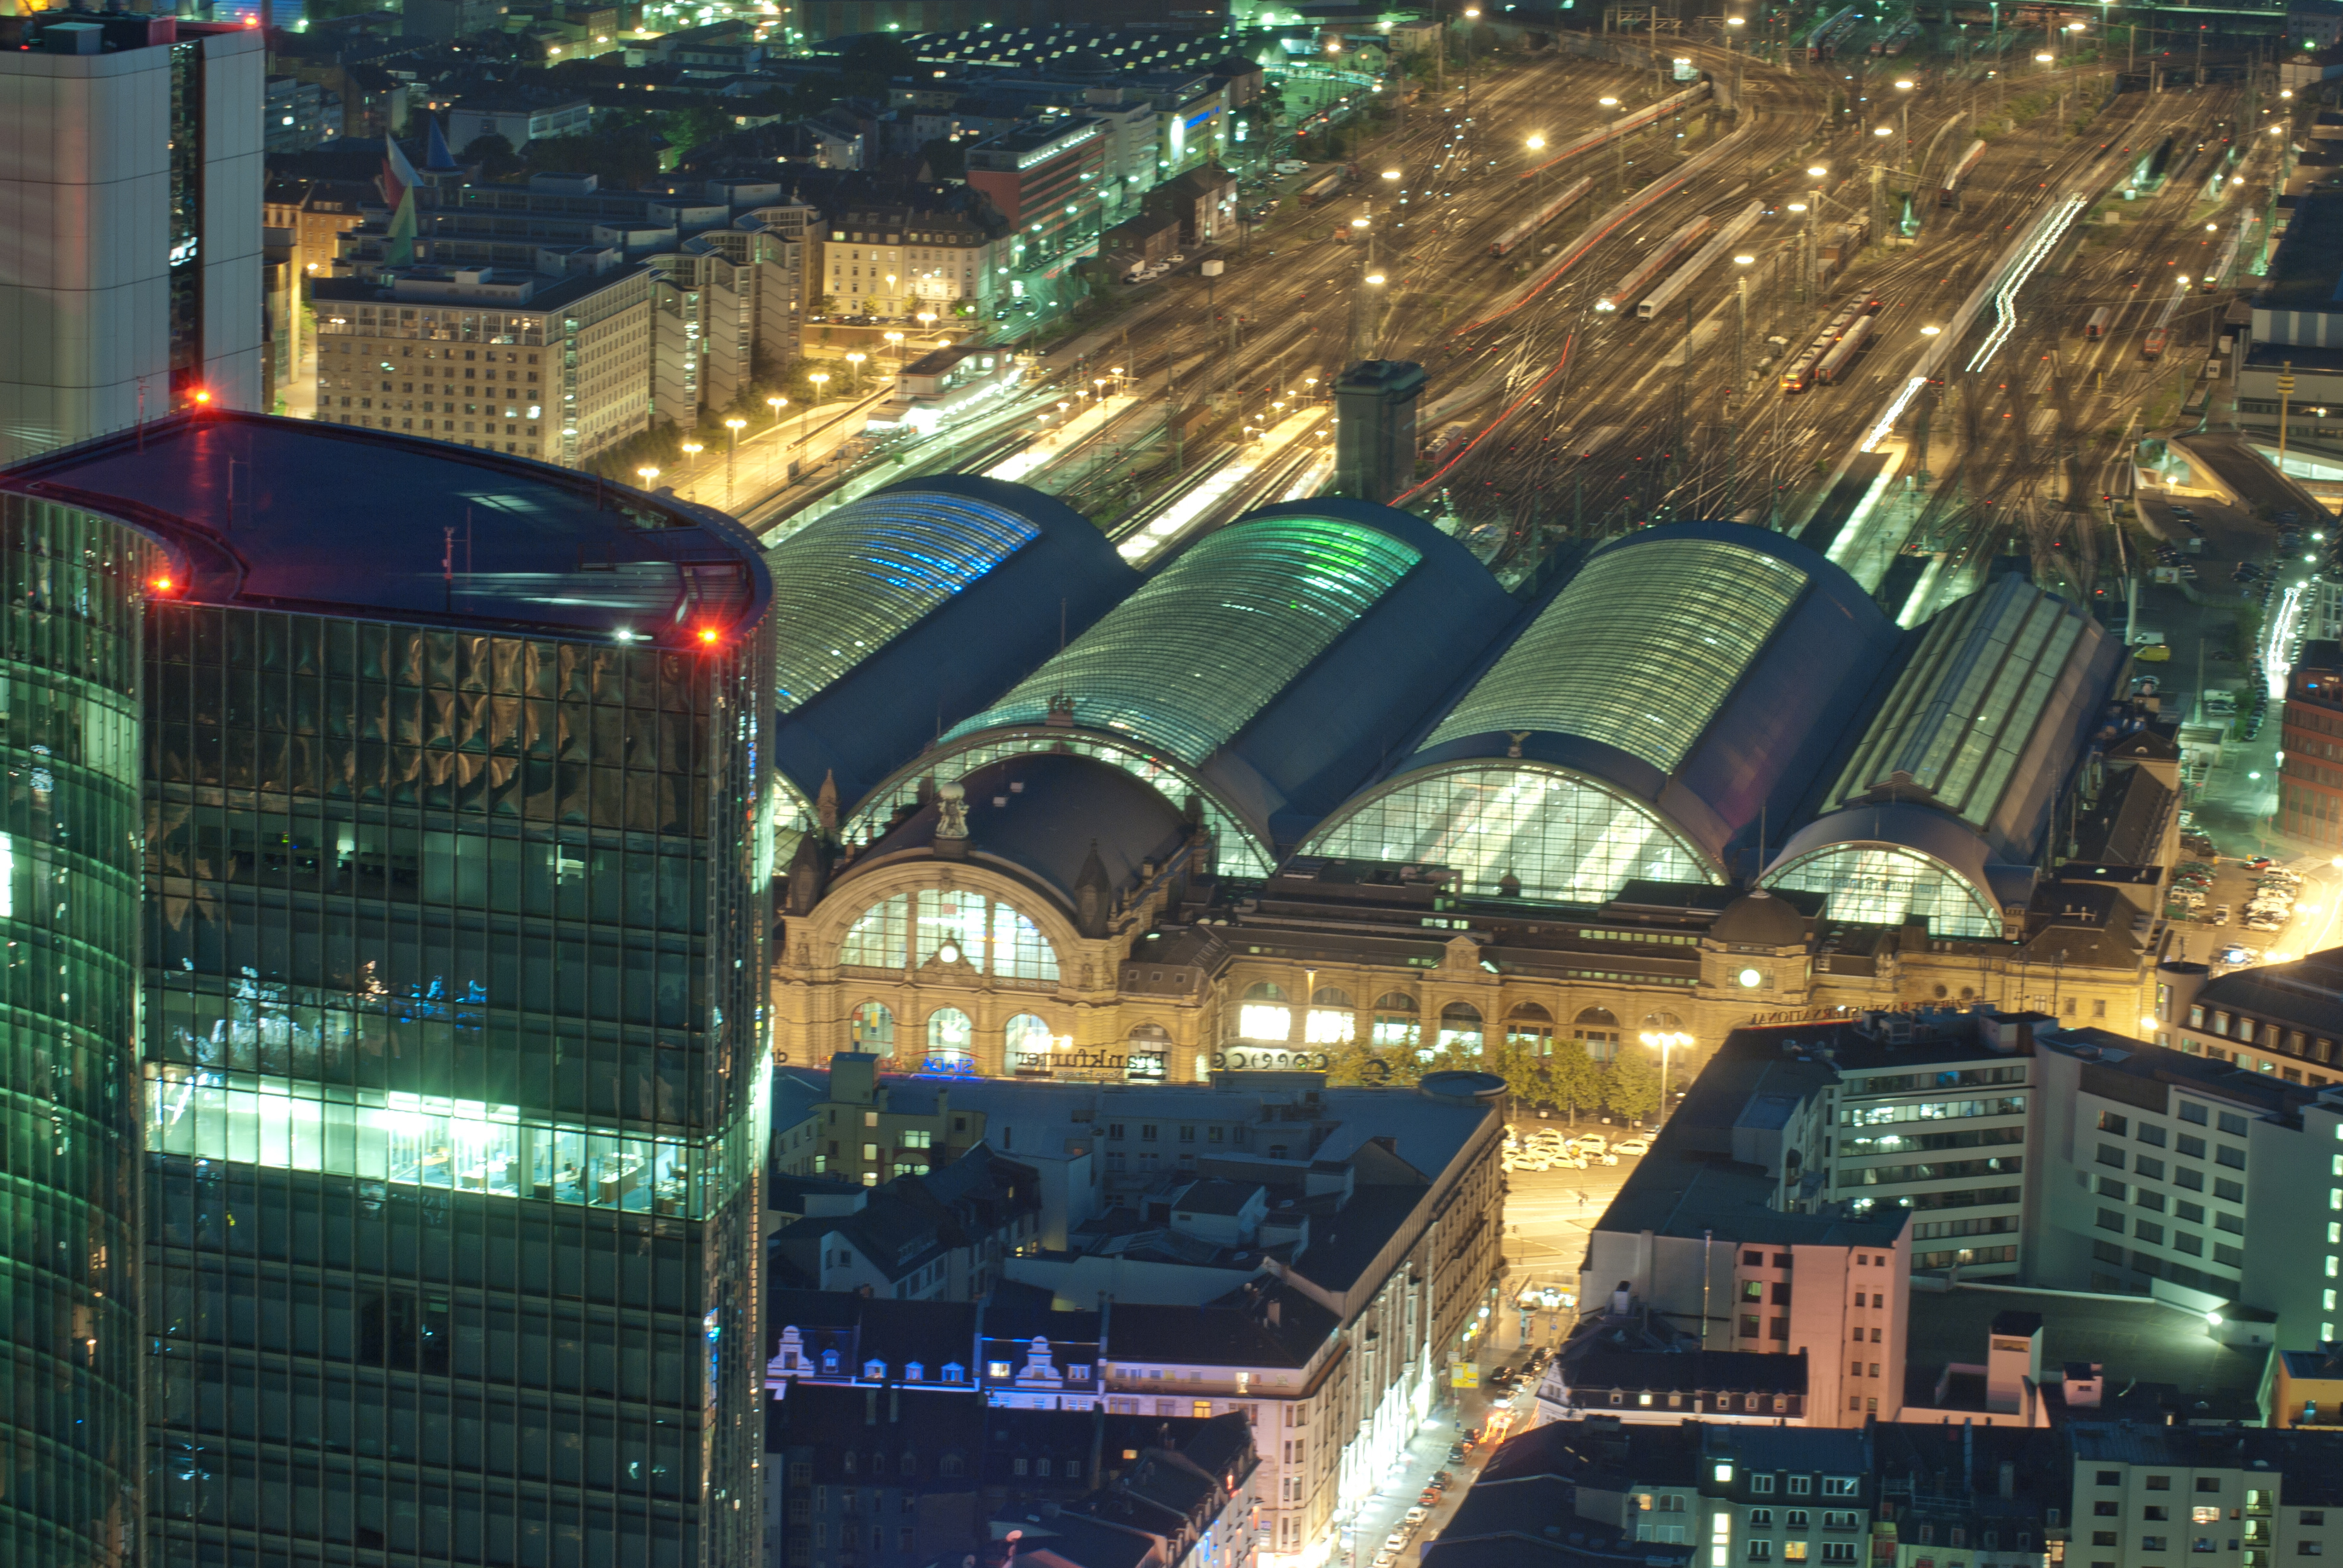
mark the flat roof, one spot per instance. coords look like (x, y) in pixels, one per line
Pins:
(2303, 273)
(302, 516)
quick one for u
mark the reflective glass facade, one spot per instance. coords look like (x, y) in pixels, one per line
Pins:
(454, 1071)
(1885, 885)
(69, 1272)
(1565, 837)
(1639, 652)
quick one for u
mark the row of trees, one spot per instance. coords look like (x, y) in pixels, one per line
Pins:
(1555, 1074)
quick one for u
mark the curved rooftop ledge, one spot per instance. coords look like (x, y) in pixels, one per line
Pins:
(299, 515)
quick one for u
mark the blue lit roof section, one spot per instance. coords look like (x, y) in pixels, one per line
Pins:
(853, 582)
(1187, 660)
(899, 615)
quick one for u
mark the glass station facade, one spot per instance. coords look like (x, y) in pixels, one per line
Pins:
(69, 1270)
(454, 1089)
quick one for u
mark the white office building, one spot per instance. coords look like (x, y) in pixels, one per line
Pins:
(130, 189)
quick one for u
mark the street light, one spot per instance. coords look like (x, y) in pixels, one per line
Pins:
(1930, 331)
(691, 451)
(736, 425)
(776, 404)
(1665, 1041)
(647, 475)
(856, 360)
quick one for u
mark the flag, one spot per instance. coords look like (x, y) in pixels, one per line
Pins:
(398, 182)
(436, 156)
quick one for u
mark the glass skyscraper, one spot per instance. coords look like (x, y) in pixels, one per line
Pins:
(454, 1045)
(70, 819)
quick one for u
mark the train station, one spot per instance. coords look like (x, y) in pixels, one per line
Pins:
(1318, 784)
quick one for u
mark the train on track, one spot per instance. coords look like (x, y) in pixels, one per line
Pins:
(1825, 358)
(1823, 43)
(1951, 192)
(1545, 212)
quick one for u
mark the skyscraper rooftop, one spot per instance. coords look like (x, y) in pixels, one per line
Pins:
(293, 515)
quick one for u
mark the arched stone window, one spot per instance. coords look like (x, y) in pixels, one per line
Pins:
(1028, 1043)
(1399, 1024)
(949, 926)
(1598, 1028)
(874, 1029)
(1332, 1019)
(1530, 1027)
(1264, 1015)
(1460, 1028)
(1147, 1053)
(951, 1036)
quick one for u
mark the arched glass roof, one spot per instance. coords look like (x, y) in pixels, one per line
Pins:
(1989, 673)
(852, 583)
(1887, 884)
(1567, 838)
(1186, 661)
(1639, 652)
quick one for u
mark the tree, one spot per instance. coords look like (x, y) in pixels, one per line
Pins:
(495, 156)
(1634, 1081)
(1571, 1081)
(1523, 1071)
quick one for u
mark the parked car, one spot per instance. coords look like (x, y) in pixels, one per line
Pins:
(2220, 914)
(1634, 1146)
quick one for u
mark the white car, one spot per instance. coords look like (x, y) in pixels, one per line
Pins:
(1292, 166)
(1634, 1146)
(1418, 1515)
(1396, 1541)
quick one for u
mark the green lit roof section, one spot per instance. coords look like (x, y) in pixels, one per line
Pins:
(1639, 652)
(870, 571)
(1186, 662)
(1965, 710)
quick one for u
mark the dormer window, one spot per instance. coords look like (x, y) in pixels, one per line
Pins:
(874, 1371)
(913, 1371)
(829, 1361)
(955, 1372)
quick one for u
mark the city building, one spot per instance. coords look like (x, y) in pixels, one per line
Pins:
(452, 1076)
(518, 122)
(2147, 1495)
(571, 356)
(1044, 179)
(2304, 1388)
(299, 115)
(2211, 1184)
(931, 254)
(2311, 776)
(1375, 442)
(904, 1472)
(940, 1233)
(1286, 856)
(134, 192)
(2293, 351)
(73, 1481)
(1314, 1259)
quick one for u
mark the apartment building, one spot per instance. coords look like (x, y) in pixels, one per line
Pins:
(2277, 1021)
(1730, 1233)
(940, 1235)
(2310, 779)
(1318, 1256)
(932, 252)
(910, 1471)
(2208, 1183)
(1043, 177)
(569, 358)
(2162, 1497)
